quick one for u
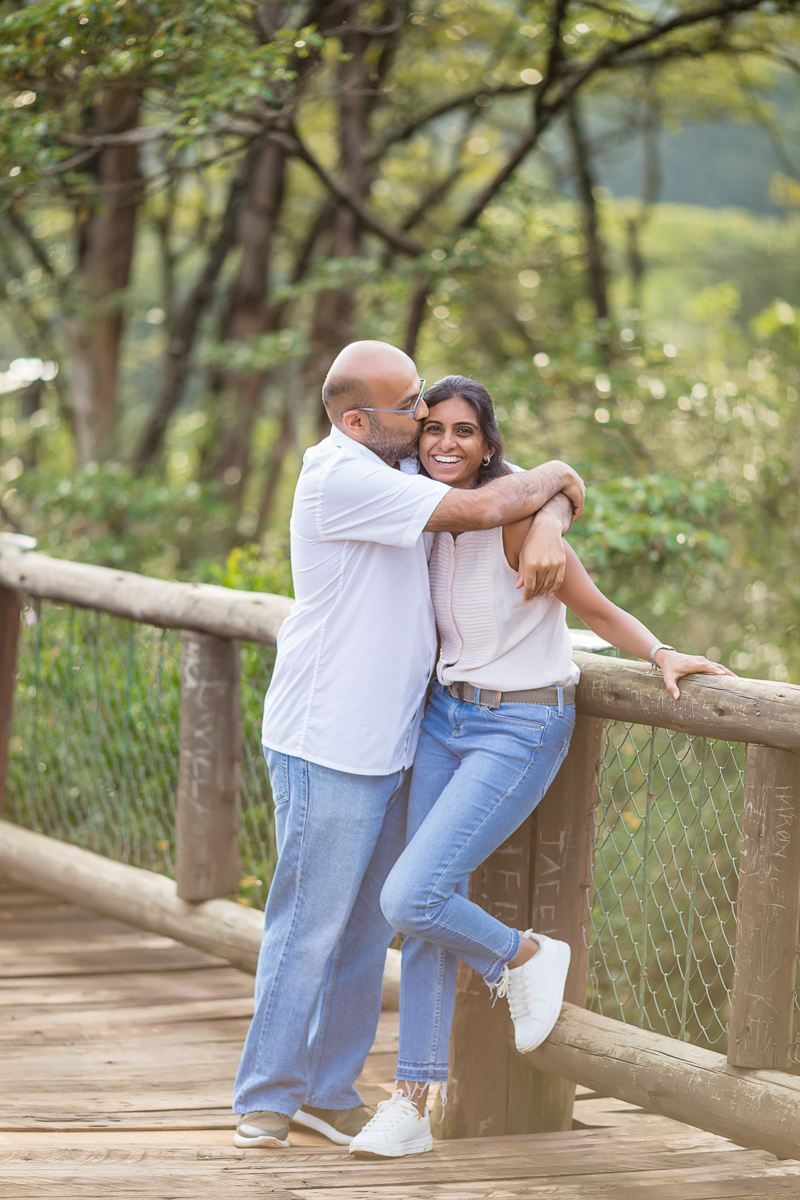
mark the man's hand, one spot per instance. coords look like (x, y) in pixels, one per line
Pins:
(673, 665)
(575, 489)
(543, 558)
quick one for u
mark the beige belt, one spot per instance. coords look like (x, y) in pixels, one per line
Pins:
(490, 699)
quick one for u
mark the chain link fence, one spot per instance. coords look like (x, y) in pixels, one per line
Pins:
(93, 760)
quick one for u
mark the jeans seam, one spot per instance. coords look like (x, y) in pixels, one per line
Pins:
(290, 931)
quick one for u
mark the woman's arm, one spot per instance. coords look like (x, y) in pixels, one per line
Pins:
(534, 547)
(615, 625)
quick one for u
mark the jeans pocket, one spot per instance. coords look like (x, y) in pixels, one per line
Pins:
(278, 765)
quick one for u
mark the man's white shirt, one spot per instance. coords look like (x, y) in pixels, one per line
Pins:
(357, 650)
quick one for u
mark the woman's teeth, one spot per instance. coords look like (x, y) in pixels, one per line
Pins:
(440, 458)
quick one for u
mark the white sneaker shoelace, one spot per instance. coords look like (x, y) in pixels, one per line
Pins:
(391, 1113)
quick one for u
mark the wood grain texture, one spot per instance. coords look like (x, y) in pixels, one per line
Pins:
(207, 822)
(561, 898)
(759, 1109)
(254, 616)
(118, 1085)
(144, 899)
(10, 609)
(761, 1027)
(719, 706)
(487, 1092)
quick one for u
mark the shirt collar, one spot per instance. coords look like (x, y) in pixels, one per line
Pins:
(336, 436)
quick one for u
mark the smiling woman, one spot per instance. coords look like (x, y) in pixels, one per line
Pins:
(460, 440)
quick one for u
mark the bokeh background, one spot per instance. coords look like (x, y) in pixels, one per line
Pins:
(593, 208)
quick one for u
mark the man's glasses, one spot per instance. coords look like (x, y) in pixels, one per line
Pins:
(407, 412)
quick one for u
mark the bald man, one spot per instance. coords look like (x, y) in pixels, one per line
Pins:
(341, 723)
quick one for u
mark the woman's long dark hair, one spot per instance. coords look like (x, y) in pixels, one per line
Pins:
(477, 396)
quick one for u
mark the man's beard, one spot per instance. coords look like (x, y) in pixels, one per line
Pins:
(390, 449)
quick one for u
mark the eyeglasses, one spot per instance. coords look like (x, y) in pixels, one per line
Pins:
(407, 412)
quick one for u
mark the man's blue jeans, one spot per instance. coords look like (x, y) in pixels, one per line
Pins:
(320, 969)
(478, 773)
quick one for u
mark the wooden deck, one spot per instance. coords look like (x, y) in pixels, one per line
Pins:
(119, 1048)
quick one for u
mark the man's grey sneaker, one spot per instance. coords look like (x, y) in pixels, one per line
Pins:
(262, 1129)
(339, 1124)
(535, 991)
(396, 1129)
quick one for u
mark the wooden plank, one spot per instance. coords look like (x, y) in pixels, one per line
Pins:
(254, 616)
(125, 987)
(10, 610)
(562, 888)
(144, 899)
(207, 823)
(717, 706)
(761, 1028)
(760, 1109)
(484, 1067)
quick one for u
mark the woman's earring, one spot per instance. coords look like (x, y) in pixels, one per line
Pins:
(487, 460)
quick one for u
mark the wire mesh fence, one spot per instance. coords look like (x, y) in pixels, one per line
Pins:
(93, 760)
(93, 755)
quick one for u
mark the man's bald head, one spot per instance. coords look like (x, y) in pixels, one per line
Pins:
(363, 373)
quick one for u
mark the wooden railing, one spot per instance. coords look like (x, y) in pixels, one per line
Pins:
(540, 877)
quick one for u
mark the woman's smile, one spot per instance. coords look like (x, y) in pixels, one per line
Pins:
(452, 446)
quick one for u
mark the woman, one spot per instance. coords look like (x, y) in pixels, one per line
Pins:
(494, 735)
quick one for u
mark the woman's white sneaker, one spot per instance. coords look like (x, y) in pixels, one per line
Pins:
(535, 991)
(396, 1129)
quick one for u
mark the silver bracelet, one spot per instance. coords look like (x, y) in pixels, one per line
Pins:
(654, 652)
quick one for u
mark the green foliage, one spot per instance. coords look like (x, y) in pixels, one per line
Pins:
(251, 568)
(109, 515)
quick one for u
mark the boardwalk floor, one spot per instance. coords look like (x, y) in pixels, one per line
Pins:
(118, 1052)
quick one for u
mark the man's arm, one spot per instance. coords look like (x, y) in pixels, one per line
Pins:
(506, 500)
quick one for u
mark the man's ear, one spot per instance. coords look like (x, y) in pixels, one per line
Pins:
(354, 423)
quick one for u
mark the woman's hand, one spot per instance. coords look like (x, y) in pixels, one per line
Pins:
(673, 665)
(542, 558)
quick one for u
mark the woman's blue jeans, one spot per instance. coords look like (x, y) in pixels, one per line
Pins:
(478, 773)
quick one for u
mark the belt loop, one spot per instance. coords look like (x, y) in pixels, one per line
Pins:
(476, 695)
(560, 692)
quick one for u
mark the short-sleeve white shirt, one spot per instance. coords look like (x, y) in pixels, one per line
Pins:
(357, 650)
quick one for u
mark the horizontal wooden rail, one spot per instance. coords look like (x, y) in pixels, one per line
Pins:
(716, 706)
(145, 899)
(206, 607)
(758, 1109)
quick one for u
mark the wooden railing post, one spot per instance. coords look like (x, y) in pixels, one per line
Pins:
(767, 912)
(10, 609)
(486, 1073)
(562, 889)
(540, 877)
(208, 786)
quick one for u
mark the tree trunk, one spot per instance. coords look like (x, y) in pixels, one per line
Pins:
(597, 276)
(183, 333)
(105, 227)
(238, 393)
(332, 325)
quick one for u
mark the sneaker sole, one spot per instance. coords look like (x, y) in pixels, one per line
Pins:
(554, 1013)
(245, 1143)
(418, 1147)
(309, 1121)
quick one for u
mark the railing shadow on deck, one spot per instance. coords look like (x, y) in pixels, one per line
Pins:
(679, 893)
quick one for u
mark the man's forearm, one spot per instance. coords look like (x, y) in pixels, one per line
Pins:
(559, 510)
(504, 500)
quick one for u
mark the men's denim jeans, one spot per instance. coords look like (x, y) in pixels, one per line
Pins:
(478, 773)
(320, 969)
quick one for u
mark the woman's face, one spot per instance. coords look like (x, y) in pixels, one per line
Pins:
(451, 445)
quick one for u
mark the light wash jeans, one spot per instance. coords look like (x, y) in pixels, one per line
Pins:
(320, 968)
(478, 773)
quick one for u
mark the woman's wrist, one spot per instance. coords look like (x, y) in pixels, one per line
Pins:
(657, 650)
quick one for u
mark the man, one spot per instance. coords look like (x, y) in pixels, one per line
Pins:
(341, 722)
